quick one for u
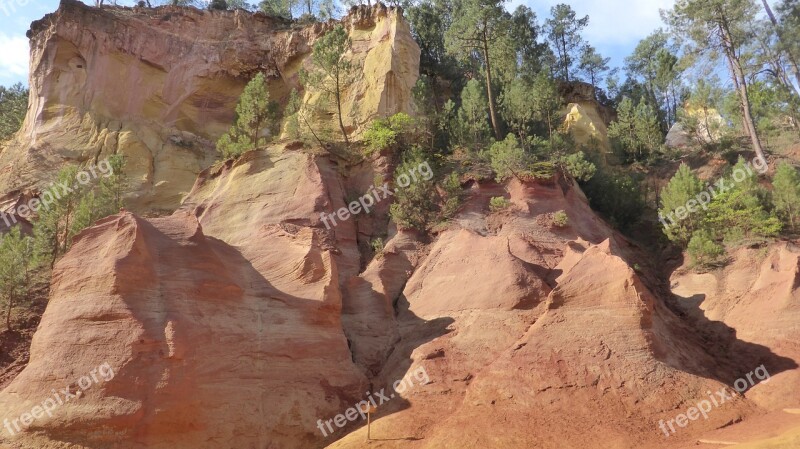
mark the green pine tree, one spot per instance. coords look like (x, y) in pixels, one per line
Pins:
(16, 269)
(253, 116)
(786, 193)
(332, 72)
(472, 115)
(683, 186)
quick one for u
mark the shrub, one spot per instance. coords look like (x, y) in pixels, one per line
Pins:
(508, 159)
(576, 166)
(379, 136)
(683, 186)
(741, 212)
(560, 219)
(220, 5)
(253, 117)
(451, 199)
(703, 250)
(415, 205)
(498, 203)
(377, 244)
(385, 133)
(786, 193)
(616, 196)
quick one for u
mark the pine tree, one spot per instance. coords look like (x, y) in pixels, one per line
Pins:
(563, 30)
(16, 269)
(723, 25)
(253, 117)
(683, 186)
(472, 115)
(786, 193)
(483, 29)
(333, 72)
(508, 159)
(635, 132)
(593, 65)
(741, 211)
(546, 102)
(13, 106)
(515, 105)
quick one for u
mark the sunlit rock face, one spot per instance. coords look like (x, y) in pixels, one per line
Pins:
(161, 85)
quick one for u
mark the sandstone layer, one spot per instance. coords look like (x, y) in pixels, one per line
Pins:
(160, 86)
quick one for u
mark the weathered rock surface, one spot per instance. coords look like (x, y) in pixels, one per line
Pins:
(160, 86)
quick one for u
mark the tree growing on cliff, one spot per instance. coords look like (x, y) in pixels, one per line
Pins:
(16, 269)
(253, 117)
(683, 187)
(71, 210)
(332, 71)
(593, 65)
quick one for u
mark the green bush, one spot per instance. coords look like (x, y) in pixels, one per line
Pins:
(452, 196)
(385, 133)
(786, 193)
(498, 203)
(415, 206)
(560, 219)
(379, 136)
(576, 166)
(253, 119)
(741, 212)
(703, 250)
(683, 186)
(616, 196)
(377, 244)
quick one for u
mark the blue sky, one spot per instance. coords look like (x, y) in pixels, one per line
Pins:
(615, 27)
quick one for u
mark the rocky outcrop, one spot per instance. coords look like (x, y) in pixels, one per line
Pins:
(586, 119)
(757, 295)
(160, 86)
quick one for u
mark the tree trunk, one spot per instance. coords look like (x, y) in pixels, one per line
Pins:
(339, 110)
(741, 84)
(565, 59)
(8, 311)
(789, 55)
(492, 113)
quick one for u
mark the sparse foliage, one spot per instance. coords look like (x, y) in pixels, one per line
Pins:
(253, 116)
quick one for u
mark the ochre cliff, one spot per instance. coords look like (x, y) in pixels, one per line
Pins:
(160, 86)
(240, 320)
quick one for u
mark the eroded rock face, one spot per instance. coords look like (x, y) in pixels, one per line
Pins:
(160, 86)
(209, 349)
(241, 320)
(757, 295)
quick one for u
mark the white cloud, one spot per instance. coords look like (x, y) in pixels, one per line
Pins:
(14, 59)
